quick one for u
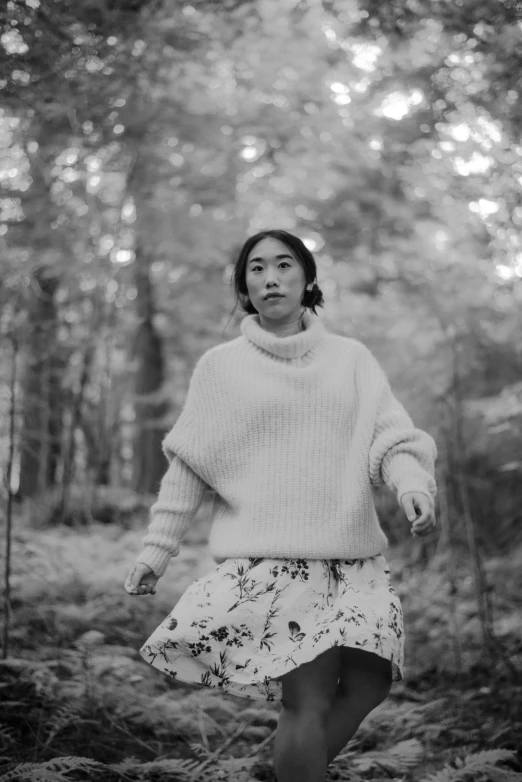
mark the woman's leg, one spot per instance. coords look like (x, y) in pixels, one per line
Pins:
(365, 682)
(301, 748)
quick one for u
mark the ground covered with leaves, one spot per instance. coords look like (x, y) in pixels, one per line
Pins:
(79, 702)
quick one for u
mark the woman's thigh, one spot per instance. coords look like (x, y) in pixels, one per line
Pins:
(314, 684)
(364, 673)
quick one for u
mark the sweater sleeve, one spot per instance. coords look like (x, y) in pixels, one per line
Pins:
(401, 456)
(182, 488)
(180, 495)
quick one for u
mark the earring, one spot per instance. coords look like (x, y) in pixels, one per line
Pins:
(310, 287)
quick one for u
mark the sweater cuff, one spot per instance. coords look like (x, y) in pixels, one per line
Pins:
(414, 481)
(156, 558)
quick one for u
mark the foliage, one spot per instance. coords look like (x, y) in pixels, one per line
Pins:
(135, 160)
(476, 765)
(76, 687)
(54, 770)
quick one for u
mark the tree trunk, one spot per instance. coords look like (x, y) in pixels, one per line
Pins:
(9, 513)
(76, 419)
(57, 404)
(149, 462)
(38, 414)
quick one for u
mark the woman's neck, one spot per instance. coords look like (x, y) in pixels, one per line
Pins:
(283, 330)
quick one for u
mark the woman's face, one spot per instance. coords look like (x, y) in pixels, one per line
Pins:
(273, 268)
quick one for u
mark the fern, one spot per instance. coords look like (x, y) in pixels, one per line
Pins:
(23, 671)
(15, 664)
(180, 769)
(226, 770)
(478, 762)
(503, 775)
(34, 673)
(199, 750)
(62, 717)
(53, 770)
(494, 774)
(444, 775)
(7, 735)
(399, 758)
(39, 775)
(261, 716)
(488, 756)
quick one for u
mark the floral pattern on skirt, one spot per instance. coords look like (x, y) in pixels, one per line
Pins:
(251, 620)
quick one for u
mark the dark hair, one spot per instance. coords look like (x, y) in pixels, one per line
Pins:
(311, 299)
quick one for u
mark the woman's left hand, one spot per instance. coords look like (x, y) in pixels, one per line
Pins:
(420, 510)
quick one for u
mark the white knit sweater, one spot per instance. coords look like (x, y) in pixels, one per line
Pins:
(290, 433)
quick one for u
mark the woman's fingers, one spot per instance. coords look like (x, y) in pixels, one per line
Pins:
(422, 529)
(425, 509)
(425, 523)
(420, 512)
(141, 580)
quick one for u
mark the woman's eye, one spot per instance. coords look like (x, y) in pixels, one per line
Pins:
(260, 268)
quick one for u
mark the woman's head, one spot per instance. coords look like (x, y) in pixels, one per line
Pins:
(275, 261)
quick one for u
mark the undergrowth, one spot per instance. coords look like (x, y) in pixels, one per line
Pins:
(79, 703)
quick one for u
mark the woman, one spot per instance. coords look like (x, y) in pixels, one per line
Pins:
(289, 425)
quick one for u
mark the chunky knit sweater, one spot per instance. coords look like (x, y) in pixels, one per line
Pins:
(290, 433)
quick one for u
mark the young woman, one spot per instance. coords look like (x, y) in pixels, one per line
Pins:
(290, 425)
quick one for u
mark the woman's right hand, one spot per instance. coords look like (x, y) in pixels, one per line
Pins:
(141, 580)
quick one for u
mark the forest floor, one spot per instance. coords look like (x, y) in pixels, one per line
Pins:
(80, 703)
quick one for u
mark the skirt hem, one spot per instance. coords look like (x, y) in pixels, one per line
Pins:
(260, 689)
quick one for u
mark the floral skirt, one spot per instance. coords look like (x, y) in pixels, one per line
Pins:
(251, 620)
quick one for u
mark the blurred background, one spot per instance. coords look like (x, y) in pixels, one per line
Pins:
(141, 142)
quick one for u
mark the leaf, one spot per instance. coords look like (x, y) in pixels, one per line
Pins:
(489, 756)
(399, 758)
(38, 775)
(170, 766)
(52, 770)
(198, 749)
(409, 753)
(446, 774)
(478, 761)
(63, 716)
(7, 734)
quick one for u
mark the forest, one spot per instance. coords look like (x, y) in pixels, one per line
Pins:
(141, 142)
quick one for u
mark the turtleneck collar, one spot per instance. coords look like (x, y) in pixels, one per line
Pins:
(294, 346)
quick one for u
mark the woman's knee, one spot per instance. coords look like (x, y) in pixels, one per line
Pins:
(369, 693)
(366, 675)
(381, 688)
(312, 687)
